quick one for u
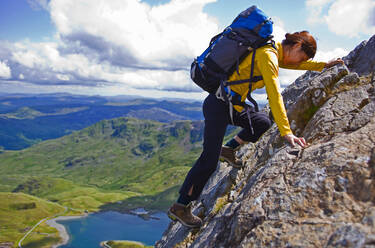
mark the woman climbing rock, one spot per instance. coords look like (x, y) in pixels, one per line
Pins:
(294, 52)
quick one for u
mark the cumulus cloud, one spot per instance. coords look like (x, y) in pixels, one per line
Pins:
(131, 33)
(315, 8)
(343, 17)
(44, 63)
(124, 42)
(329, 55)
(5, 72)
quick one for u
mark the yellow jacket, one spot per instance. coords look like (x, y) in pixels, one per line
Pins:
(267, 63)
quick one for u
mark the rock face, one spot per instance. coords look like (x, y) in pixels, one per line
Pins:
(320, 196)
(362, 58)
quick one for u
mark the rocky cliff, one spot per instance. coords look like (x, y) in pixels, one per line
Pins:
(320, 196)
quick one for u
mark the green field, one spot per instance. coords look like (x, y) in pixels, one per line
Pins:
(126, 244)
(19, 212)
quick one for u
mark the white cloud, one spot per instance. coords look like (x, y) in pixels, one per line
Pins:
(278, 29)
(106, 90)
(343, 17)
(124, 42)
(167, 35)
(119, 42)
(44, 63)
(286, 77)
(317, 2)
(5, 71)
(316, 7)
(329, 55)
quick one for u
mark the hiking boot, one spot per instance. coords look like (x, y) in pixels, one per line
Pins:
(183, 214)
(227, 155)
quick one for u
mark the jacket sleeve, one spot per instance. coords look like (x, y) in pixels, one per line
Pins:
(309, 65)
(268, 65)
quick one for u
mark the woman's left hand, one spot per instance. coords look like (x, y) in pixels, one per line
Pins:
(293, 140)
(334, 62)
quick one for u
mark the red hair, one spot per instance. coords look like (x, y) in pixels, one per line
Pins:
(307, 41)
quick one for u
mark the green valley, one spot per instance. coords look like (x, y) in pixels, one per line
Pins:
(118, 164)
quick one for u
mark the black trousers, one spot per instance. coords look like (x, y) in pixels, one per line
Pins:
(217, 118)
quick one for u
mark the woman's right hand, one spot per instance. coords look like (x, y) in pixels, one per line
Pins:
(334, 62)
(293, 140)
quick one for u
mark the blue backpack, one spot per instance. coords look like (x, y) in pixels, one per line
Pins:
(250, 30)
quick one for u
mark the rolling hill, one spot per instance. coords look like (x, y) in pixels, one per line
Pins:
(29, 119)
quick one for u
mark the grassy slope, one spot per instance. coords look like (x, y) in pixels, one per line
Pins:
(20, 212)
(125, 244)
(64, 192)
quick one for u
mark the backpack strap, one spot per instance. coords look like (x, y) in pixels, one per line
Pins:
(248, 109)
(249, 97)
(233, 98)
(253, 80)
(251, 85)
(225, 94)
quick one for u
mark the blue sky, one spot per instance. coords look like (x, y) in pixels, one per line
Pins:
(145, 47)
(19, 21)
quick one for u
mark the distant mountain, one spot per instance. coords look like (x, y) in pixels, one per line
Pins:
(158, 114)
(29, 119)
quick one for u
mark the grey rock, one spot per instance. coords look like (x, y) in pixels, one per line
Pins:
(362, 58)
(313, 96)
(347, 81)
(347, 236)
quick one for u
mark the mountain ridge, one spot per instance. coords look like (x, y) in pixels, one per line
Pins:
(30, 119)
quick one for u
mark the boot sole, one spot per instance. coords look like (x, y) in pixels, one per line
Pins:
(222, 159)
(176, 218)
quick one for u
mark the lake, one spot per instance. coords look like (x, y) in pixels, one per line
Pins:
(89, 231)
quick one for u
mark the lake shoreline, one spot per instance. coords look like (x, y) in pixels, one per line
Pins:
(64, 235)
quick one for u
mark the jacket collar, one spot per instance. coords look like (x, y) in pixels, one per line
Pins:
(280, 52)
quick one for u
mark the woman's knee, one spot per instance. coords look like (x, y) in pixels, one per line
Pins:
(265, 122)
(260, 124)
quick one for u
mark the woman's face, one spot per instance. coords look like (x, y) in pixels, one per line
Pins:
(294, 55)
